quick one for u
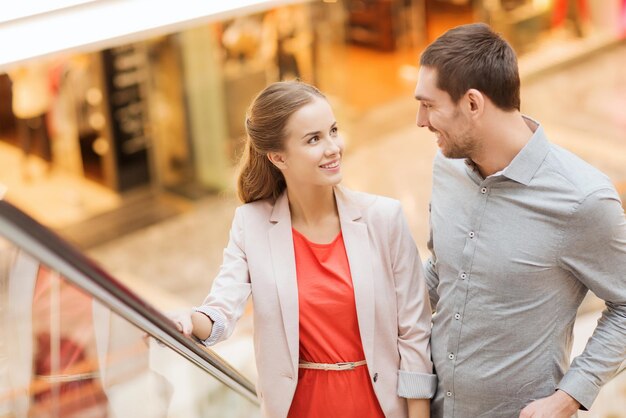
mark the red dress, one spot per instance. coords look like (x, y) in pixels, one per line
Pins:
(329, 333)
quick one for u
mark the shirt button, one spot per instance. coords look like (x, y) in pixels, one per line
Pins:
(451, 356)
(448, 394)
(375, 378)
(483, 190)
(457, 316)
(471, 234)
(463, 276)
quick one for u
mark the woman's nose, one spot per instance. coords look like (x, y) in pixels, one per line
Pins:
(333, 146)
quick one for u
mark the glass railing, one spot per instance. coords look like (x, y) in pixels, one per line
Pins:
(74, 342)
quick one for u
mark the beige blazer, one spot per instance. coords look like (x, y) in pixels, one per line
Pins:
(389, 288)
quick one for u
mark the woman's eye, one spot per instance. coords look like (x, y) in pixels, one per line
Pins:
(313, 140)
(334, 130)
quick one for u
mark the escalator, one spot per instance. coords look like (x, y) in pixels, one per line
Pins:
(75, 342)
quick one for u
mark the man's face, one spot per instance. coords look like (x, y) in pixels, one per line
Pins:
(438, 113)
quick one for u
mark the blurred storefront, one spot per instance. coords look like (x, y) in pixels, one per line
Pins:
(165, 112)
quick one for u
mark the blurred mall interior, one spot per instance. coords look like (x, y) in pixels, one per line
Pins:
(125, 145)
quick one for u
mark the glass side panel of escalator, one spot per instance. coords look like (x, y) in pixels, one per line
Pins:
(65, 354)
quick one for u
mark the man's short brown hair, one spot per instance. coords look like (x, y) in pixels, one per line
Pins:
(473, 56)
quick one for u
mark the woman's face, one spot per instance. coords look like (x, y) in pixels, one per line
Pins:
(313, 147)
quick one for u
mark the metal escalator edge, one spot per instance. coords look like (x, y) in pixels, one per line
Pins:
(45, 245)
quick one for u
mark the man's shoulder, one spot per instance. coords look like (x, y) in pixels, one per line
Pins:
(582, 176)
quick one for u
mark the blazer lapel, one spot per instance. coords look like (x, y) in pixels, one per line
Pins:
(356, 241)
(284, 265)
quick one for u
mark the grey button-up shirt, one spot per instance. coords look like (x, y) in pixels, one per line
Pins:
(513, 255)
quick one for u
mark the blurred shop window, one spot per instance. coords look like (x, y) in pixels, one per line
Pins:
(30, 104)
(62, 120)
(247, 68)
(280, 40)
(166, 107)
(289, 36)
(242, 38)
(7, 119)
(370, 23)
(125, 73)
(260, 49)
(571, 15)
(389, 25)
(77, 117)
(522, 22)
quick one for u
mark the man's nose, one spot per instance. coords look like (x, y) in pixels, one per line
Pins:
(422, 119)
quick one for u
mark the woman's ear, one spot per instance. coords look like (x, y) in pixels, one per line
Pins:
(278, 159)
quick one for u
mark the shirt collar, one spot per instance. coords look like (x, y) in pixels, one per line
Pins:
(526, 163)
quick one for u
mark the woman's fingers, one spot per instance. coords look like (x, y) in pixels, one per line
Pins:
(182, 321)
(187, 327)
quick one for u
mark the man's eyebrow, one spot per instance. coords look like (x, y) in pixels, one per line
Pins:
(423, 98)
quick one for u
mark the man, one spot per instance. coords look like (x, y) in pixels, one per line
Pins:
(520, 230)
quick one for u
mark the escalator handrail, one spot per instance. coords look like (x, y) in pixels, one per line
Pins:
(45, 245)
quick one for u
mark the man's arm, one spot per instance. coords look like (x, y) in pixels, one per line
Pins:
(594, 251)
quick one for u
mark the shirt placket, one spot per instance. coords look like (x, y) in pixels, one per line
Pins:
(463, 277)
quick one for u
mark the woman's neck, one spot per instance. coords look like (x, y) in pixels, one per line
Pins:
(309, 206)
(314, 212)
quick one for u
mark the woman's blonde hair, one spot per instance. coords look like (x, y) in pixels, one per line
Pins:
(265, 123)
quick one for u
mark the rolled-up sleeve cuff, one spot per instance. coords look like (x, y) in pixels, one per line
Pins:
(218, 324)
(580, 388)
(416, 385)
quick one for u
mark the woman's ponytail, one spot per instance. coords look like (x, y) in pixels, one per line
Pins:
(258, 177)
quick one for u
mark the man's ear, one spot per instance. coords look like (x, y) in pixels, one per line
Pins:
(475, 101)
(278, 159)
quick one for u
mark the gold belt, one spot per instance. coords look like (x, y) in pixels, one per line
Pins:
(348, 365)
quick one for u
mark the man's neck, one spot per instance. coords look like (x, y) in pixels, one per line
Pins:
(504, 137)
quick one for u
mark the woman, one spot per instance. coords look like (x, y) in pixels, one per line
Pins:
(341, 314)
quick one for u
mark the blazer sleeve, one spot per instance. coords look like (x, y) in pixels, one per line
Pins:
(415, 377)
(430, 268)
(231, 288)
